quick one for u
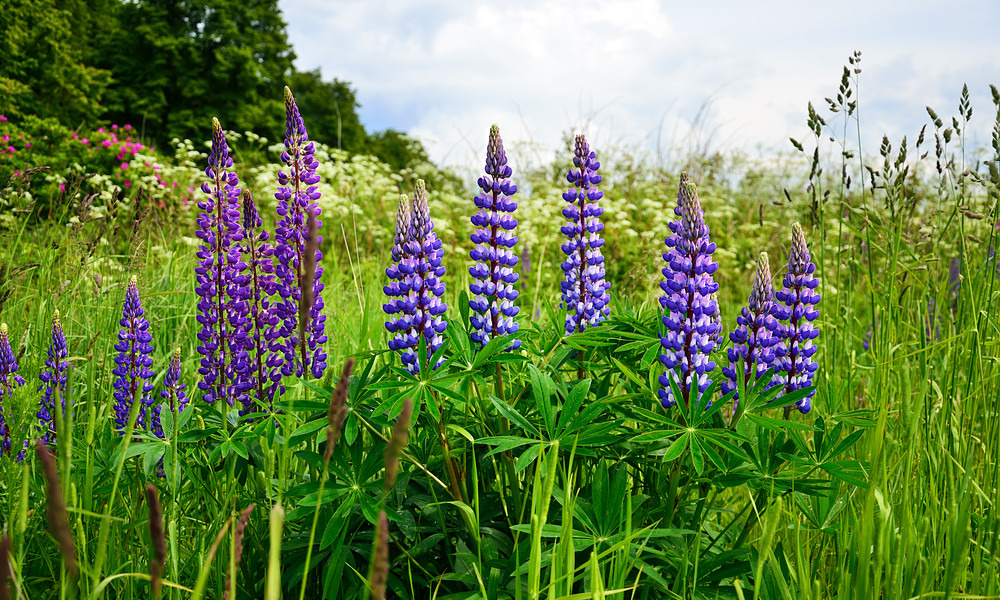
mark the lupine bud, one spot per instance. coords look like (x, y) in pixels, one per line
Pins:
(584, 290)
(795, 366)
(133, 373)
(687, 301)
(10, 381)
(53, 378)
(219, 275)
(297, 195)
(415, 309)
(492, 288)
(753, 337)
(173, 388)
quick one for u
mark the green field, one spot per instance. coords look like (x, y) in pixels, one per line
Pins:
(550, 472)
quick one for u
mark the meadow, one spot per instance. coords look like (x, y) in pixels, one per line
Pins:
(515, 453)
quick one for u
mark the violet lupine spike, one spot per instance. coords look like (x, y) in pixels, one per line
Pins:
(795, 366)
(492, 288)
(415, 288)
(218, 274)
(10, 381)
(297, 195)
(584, 290)
(133, 365)
(173, 388)
(399, 323)
(753, 339)
(688, 305)
(263, 377)
(53, 378)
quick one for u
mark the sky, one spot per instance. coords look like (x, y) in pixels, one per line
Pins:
(658, 76)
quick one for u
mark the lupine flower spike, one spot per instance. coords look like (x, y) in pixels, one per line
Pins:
(173, 388)
(219, 276)
(797, 311)
(415, 288)
(10, 381)
(688, 305)
(297, 195)
(263, 377)
(584, 290)
(753, 338)
(53, 378)
(133, 372)
(492, 288)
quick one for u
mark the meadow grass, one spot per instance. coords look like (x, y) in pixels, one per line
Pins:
(522, 478)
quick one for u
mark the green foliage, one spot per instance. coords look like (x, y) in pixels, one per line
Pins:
(178, 63)
(45, 67)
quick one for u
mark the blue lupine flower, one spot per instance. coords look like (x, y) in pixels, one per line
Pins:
(753, 339)
(584, 290)
(219, 276)
(492, 288)
(688, 305)
(10, 381)
(53, 378)
(797, 311)
(133, 372)
(415, 309)
(297, 195)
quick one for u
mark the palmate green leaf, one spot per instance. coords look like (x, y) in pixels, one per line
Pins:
(777, 424)
(655, 436)
(305, 431)
(503, 443)
(629, 373)
(677, 448)
(512, 415)
(697, 457)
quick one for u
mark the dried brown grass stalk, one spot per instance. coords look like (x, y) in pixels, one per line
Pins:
(56, 509)
(241, 527)
(400, 435)
(159, 541)
(338, 409)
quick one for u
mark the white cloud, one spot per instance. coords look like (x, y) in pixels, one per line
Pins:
(638, 71)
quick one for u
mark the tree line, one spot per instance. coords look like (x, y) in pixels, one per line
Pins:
(168, 66)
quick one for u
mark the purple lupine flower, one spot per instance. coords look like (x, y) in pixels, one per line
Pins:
(717, 319)
(584, 290)
(10, 381)
(866, 343)
(754, 336)
(53, 378)
(173, 387)
(133, 372)
(415, 288)
(263, 377)
(219, 276)
(795, 367)
(297, 196)
(492, 288)
(687, 301)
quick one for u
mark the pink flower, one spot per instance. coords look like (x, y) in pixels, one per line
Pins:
(11, 149)
(106, 143)
(62, 187)
(5, 137)
(27, 145)
(100, 130)
(84, 141)
(127, 127)
(128, 183)
(2, 118)
(124, 166)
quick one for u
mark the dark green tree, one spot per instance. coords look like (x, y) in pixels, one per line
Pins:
(397, 149)
(178, 63)
(330, 108)
(45, 59)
